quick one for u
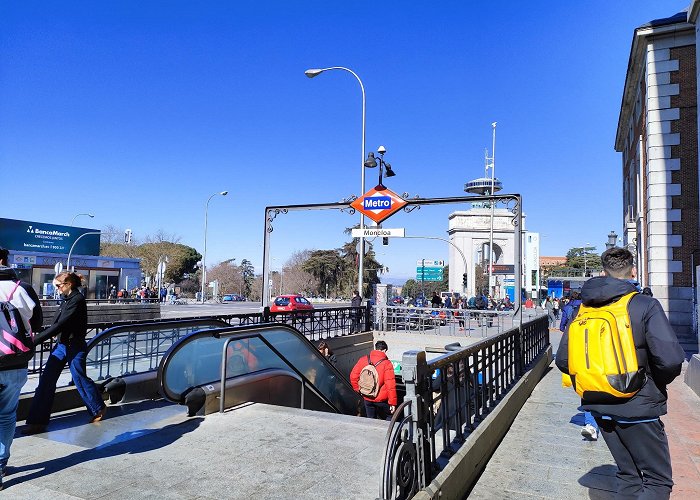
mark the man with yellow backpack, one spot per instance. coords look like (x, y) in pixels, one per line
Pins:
(621, 352)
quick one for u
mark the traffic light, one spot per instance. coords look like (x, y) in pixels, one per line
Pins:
(385, 241)
(464, 280)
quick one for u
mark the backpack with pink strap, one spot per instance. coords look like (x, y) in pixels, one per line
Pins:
(16, 342)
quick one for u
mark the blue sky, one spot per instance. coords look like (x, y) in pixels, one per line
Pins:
(139, 111)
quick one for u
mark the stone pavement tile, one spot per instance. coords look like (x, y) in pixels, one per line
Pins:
(488, 493)
(147, 488)
(64, 480)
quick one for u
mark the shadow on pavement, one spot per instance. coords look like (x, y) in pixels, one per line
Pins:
(123, 444)
(601, 482)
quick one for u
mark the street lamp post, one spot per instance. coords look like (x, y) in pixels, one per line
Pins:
(384, 167)
(204, 257)
(78, 215)
(315, 72)
(585, 260)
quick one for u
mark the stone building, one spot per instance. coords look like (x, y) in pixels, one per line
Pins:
(657, 134)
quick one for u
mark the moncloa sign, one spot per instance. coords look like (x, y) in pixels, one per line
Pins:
(368, 232)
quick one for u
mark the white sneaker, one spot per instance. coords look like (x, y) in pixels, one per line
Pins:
(589, 432)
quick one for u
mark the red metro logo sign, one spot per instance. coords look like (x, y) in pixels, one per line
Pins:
(379, 203)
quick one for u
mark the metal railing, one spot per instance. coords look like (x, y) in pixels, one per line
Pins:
(131, 349)
(315, 325)
(442, 321)
(326, 323)
(448, 397)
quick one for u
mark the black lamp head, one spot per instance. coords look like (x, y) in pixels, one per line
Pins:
(388, 171)
(371, 161)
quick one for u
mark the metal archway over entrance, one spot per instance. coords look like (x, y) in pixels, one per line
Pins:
(271, 214)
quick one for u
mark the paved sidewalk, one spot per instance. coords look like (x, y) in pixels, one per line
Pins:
(544, 455)
(152, 450)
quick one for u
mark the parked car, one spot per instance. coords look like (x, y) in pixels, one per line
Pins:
(289, 303)
(233, 297)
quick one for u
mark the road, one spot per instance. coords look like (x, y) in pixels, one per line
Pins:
(214, 309)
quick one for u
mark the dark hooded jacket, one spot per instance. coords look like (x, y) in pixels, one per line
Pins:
(657, 347)
(7, 273)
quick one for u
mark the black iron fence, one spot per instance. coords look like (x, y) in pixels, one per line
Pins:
(446, 399)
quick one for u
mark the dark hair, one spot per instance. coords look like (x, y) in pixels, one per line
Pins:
(4, 254)
(324, 345)
(73, 279)
(381, 346)
(647, 291)
(617, 262)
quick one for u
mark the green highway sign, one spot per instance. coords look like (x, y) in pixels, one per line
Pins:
(428, 278)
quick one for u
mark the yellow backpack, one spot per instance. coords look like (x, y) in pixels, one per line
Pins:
(602, 356)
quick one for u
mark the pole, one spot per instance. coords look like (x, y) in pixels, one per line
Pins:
(73, 246)
(493, 187)
(204, 257)
(311, 73)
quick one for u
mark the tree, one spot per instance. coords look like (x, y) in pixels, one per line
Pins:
(229, 276)
(583, 257)
(327, 267)
(248, 275)
(182, 259)
(294, 278)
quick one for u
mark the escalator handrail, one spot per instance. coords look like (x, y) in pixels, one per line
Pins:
(244, 331)
(150, 327)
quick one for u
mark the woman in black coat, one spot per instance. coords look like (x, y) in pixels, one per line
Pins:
(70, 326)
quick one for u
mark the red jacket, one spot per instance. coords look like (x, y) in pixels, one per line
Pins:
(387, 379)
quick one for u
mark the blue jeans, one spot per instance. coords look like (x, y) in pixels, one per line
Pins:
(588, 419)
(11, 383)
(73, 354)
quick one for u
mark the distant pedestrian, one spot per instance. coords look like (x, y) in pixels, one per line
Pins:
(436, 301)
(373, 377)
(70, 326)
(549, 306)
(557, 307)
(355, 313)
(327, 352)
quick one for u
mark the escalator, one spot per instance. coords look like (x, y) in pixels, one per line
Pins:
(267, 363)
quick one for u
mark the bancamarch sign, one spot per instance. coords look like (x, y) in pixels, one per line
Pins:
(20, 235)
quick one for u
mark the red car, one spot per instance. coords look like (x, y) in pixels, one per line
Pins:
(289, 303)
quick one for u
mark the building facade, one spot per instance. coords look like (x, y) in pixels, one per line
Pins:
(657, 135)
(38, 250)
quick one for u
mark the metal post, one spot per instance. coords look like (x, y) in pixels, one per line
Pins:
(415, 371)
(312, 73)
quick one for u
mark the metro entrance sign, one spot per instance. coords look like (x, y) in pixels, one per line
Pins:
(379, 203)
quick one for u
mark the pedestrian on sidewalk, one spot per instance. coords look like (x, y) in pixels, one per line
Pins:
(13, 373)
(631, 427)
(70, 326)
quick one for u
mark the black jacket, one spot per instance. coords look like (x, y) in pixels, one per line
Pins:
(658, 350)
(70, 321)
(7, 273)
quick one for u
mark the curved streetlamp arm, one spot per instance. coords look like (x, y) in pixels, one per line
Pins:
(73, 246)
(361, 257)
(464, 259)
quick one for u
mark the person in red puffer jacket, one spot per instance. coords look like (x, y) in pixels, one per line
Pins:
(384, 403)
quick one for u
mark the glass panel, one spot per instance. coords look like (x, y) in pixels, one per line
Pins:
(129, 352)
(198, 362)
(308, 361)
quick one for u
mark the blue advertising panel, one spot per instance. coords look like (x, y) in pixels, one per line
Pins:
(40, 237)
